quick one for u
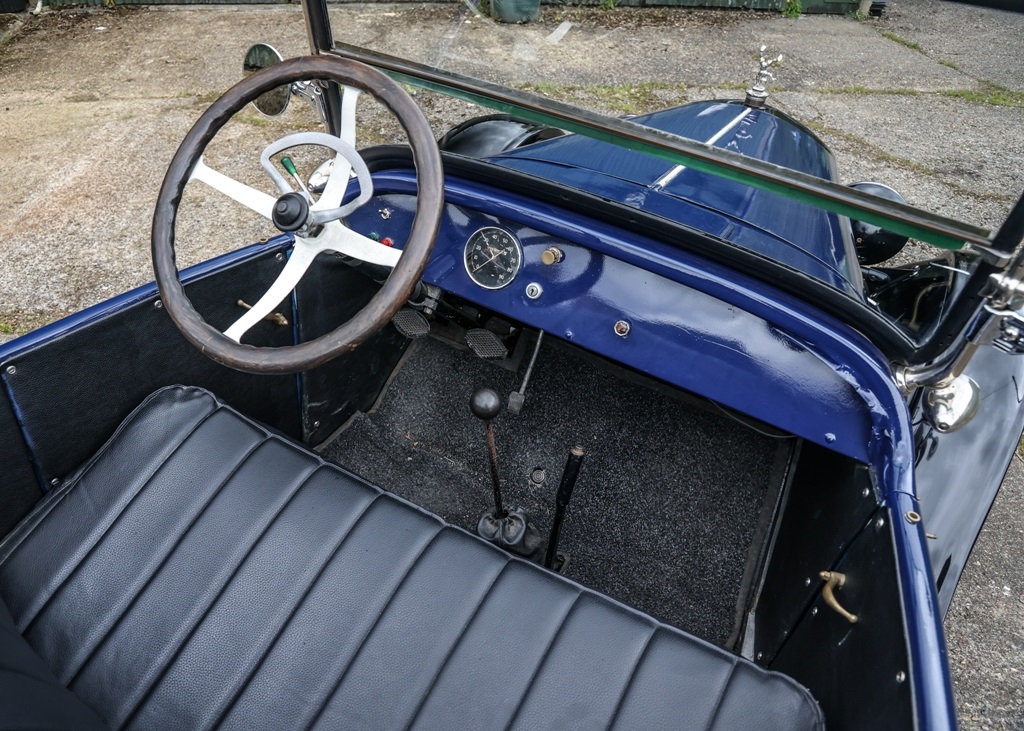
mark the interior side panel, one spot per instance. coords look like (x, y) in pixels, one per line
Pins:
(19, 488)
(330, 294)
(72, 392)
(828, 502)
(858, 671)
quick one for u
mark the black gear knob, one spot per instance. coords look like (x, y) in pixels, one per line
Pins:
(485, 403)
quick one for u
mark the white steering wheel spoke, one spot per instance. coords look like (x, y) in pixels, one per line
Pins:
(337, 184)
(337, 237)
(251, 198)
(348, 114)
(334, 237)
(302, 256)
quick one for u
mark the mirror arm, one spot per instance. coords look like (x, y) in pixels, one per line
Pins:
(321, 38)
(316, 94)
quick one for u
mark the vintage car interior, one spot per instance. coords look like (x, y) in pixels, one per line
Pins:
(489, 450)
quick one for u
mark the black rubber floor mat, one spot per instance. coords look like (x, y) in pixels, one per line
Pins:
(667, 501)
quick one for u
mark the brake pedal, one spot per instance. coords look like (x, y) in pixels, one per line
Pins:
(486, 344)
(411, 323)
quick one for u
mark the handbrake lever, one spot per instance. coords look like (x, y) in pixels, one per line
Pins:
(569, 476)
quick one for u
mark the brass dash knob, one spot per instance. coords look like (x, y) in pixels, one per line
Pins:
(552, 255)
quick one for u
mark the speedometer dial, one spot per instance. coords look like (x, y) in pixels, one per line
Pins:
(493, 257)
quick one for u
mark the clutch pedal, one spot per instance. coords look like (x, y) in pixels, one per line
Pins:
(411, 323)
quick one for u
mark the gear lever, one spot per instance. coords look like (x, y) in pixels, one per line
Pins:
(510, 529)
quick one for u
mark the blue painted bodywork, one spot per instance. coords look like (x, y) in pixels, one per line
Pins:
(806, 238)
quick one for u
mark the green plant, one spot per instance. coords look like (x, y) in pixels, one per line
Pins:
(793, 9)
(991, 94)
(902, 41)
(607, 4)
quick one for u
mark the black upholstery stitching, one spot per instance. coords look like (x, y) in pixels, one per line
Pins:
(458, 641)
(14, 539)
(181, 646)
(632, 676)
(380, 615)
(721, 695)
(116, 519)
(163, 562)
(543, 659)
(291, 615)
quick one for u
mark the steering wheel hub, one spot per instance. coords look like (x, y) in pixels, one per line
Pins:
(290, 212)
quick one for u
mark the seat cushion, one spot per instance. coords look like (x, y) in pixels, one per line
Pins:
(201, 571)
(30, 697)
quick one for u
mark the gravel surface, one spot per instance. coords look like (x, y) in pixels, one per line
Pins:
(93, 103)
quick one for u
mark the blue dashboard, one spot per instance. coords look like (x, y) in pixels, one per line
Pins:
(634, 301)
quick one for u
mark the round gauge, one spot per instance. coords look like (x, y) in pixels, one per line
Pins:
(493, 257)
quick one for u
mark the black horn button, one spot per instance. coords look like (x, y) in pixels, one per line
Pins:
(290, 212)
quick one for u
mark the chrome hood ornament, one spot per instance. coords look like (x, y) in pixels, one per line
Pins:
(758, 93)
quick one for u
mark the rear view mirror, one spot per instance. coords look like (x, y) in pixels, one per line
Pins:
(257, 58)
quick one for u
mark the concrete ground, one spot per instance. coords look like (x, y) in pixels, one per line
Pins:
(929, 99)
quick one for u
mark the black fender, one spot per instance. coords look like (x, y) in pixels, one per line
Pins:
(958, 474)
(493, 134)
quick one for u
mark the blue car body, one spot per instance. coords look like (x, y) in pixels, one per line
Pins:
(814, 241)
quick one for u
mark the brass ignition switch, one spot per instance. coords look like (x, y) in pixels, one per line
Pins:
(551, 255)
(835, 580)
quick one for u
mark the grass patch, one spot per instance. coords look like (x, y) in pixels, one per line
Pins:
(198, 97)
(793, 9)
(15, 323)
(949, 64)
(996, 96)
(865, 91)
(254, 120)
(881, 155)
(902, 41)
(10, 26)
(730, 86)
(872, 150)
(623, 98)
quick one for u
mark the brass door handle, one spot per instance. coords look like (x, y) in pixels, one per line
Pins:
(835, 580)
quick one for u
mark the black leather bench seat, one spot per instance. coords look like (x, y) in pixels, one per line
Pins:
(201, 572)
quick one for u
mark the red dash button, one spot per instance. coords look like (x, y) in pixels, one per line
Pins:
(387, 241)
